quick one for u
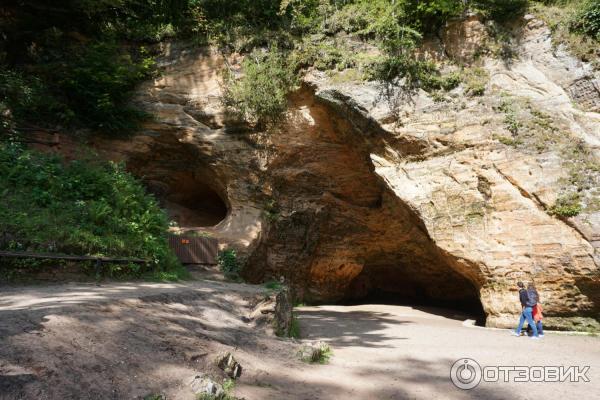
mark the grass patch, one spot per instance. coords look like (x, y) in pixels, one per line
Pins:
(475, 80)
(294, 327)
(566, 206)
(176, 273)
(227, 393)
(319, 353)
(155, 397)
(508, 141)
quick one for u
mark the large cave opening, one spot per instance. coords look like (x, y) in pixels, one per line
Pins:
(435, 287)
(345, 235)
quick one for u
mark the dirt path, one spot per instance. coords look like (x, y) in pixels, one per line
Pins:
(396, 352)
(127, 340)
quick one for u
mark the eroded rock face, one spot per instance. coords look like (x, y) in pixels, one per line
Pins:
(483, 203)
(205, 169)
(344, 198)
(463, 38)
(341, 232)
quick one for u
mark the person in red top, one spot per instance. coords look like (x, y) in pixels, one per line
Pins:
(537, 309)
(528, 301)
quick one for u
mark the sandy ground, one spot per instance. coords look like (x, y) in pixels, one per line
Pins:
(124, 341)
(398, 352)
(127, 340)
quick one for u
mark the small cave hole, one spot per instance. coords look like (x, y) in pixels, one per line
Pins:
(191, 201)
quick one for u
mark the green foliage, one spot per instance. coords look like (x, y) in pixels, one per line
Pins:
(66, 65)
(80, 73)
(294, 328)
(172, 274)
(475, 80)
(320, 355)
(574, 24)
(273, 285)
(260, 95)
(81, 208)
(568, 205)
(155, 397)
(221, 396)
(226, 394)
(98, 91)
(510, 116)
(431, 79)
(271, 210)
(587, 20)
(25, 96)
(229, 264)
(500, 10)
(89, 87)
(430, 15)
(326, 354)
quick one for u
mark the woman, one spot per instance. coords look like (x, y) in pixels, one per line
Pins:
(527, 303)
(537, 309)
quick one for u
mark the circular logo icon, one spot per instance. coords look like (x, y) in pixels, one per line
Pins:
(465, 373)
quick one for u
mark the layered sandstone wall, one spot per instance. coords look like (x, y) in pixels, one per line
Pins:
(363, 187)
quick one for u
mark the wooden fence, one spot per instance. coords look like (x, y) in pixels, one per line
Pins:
(195, 250)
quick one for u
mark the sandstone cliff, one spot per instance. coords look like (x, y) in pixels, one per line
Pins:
(365, 186)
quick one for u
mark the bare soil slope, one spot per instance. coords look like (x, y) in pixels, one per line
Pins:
(128, 340)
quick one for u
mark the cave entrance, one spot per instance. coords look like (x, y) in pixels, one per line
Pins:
(438, 290)
(190, 200)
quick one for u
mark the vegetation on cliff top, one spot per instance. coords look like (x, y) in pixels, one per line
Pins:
(75, 64)
(574, 24)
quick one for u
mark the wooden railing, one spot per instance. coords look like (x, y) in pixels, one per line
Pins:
(97, 259)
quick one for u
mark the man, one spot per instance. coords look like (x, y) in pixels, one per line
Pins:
(527, 304)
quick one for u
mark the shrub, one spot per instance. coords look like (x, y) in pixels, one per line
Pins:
(511, 121)
(500, 10)
(89, 87)
(568, 205)
(588, 20)
(430, 15)
(271, 210)
(82, 208)
(98, 82)
(274, 285)
(228, 262)
(475, 81)
(260, 95)
(316, 353)
(567, 20)
(25, 96)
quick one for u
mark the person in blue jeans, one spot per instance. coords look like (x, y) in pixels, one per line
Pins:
(532, 292)
(528, 301)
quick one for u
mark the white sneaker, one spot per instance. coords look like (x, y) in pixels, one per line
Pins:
(515, 333)
(535, 337)
(541, 335)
